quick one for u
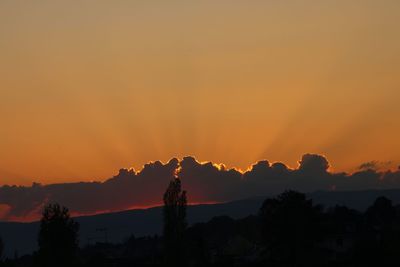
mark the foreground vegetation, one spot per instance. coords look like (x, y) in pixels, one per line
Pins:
(289, 230)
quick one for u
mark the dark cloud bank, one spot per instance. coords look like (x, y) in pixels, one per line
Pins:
(205, 182)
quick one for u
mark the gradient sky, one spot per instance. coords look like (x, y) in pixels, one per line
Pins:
(88, 87)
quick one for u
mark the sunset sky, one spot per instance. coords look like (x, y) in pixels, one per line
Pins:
(89, 87)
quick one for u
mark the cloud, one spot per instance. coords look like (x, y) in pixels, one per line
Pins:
(312, 163)
(205, 182)
(374, 165)
(4, 209)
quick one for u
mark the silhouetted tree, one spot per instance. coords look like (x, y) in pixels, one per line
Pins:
(175, 203)
(58, 237)
(380, 236)
(290, 229)
(381, 214)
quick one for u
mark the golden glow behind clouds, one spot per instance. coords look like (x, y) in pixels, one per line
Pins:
(91, 86)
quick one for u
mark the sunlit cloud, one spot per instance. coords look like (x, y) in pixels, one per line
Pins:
(206, 182)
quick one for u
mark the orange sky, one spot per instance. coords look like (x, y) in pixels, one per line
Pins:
(88, 87)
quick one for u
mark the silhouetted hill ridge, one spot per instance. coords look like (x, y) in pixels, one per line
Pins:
(117, 226)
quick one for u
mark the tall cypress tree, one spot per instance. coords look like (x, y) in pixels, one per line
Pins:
(175, 202)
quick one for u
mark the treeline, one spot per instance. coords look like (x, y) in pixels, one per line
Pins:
(289, 230)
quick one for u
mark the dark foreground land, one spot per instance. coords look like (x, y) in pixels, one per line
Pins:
(288, 230)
